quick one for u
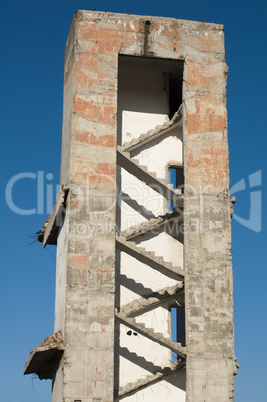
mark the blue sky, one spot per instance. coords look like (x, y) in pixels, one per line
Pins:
(33, 39)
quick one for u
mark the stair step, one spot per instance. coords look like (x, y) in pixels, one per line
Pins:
(141, 325)
(149, 258)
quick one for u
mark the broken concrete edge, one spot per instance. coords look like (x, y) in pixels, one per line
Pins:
(232, 202)
(152, 224)
(55, 219)
(35, 364)
(133, 387)
(237, 366)
(44, 357)
(154, 133)
(40, 233)
(54, 338)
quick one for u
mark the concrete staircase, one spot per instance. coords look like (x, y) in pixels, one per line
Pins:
(149, 258)
(132, 387)
(153, 300)
(150, 334)
(141, 172)
(169, 223)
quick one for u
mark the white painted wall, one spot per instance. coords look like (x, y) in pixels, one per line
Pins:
(143, 105)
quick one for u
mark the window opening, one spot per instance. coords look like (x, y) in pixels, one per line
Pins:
(176, 178)
(177, 327)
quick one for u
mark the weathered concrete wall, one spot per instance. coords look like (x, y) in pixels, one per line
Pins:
(60, 303)
(88, 167)
(210, 363)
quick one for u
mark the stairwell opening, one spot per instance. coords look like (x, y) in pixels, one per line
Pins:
(149, 90)
(149, 138)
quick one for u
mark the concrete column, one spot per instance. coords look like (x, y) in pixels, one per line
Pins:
(208, 286)
(86, 243)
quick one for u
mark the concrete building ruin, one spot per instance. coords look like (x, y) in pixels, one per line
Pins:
(142, 221)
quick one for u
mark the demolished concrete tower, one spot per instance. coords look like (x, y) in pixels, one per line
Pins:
(144, 307)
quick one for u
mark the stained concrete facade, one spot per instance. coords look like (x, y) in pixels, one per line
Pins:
(142, 95)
